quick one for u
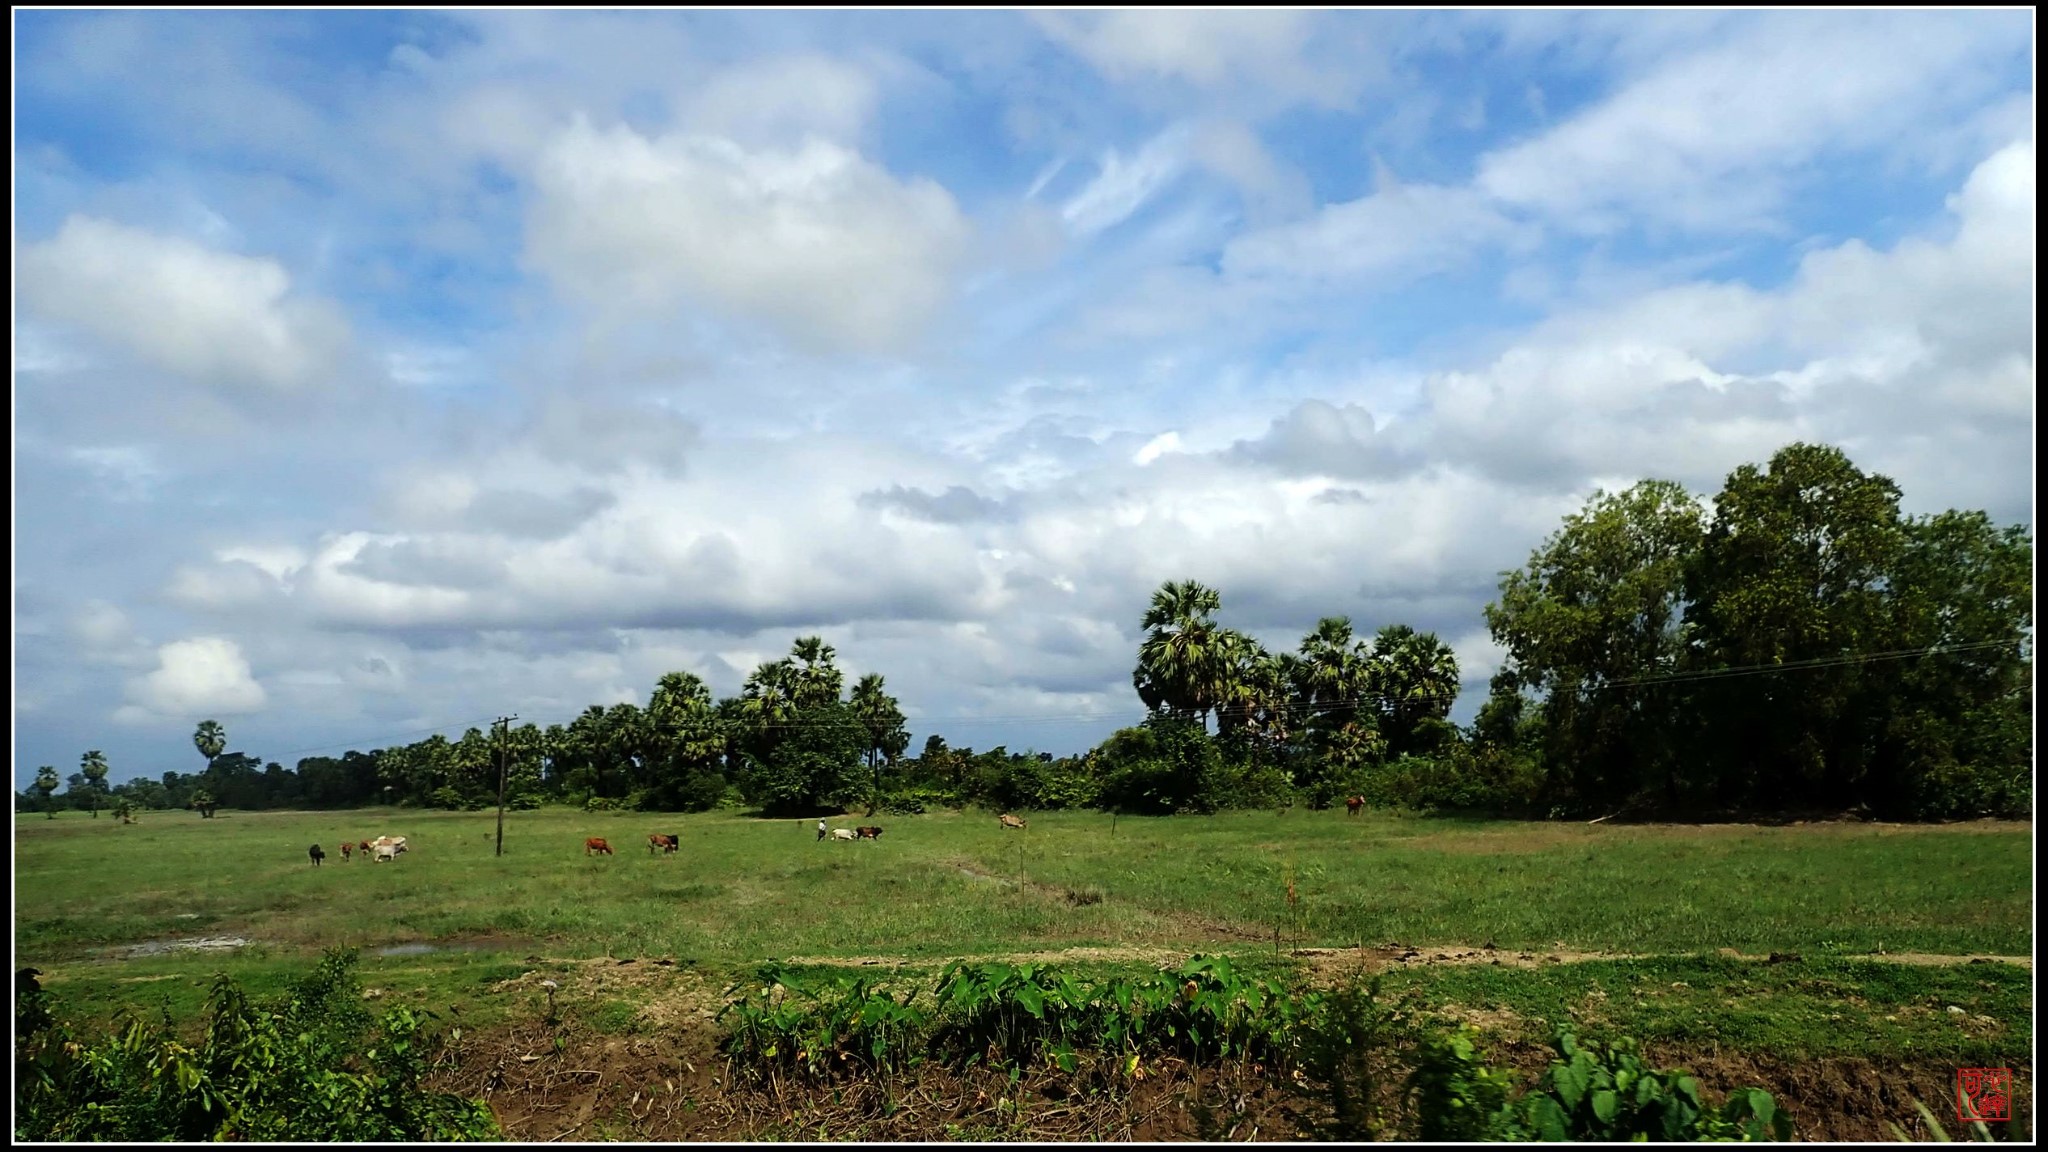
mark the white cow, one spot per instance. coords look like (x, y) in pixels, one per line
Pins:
(384, 852)
(842, 834)
(394, 842)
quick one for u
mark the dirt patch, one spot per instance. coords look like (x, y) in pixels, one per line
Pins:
(544, 1084)
(1099, 955)
(1326, 964)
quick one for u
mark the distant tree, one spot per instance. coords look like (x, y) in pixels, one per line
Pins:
(94, 765)
(883, 722)
(204, 802)
(211, 739)
(46, 784)
(815, 765)
(1414, 677)
(124, 810)
(817, 680)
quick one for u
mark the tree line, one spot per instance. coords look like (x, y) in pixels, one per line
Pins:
(1796, 643)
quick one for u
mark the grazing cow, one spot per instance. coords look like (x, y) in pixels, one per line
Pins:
(1353, 804)
(843, 834)
(868, 832)
(383, 852)
(316, 854)
(662, 841)
(1010, 821)
(596, 846)
(364, 847)
(346, 850)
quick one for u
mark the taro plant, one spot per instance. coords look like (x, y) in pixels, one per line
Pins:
(1601, 1093)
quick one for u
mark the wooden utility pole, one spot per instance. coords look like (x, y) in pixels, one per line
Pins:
(504, 750)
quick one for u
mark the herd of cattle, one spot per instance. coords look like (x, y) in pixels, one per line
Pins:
(381, 849)
(390, 847)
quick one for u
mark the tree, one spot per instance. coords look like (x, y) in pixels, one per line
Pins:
(1179, 661)
(883, 722)
(94, 765)
(688, 743)
(815, 680)
(204, 802)
(1333, 691)
(46, 783)
(211, 739)
(124, 810)
(814, 765)
(1794, 571)
(1594, 614)
(1414, 677)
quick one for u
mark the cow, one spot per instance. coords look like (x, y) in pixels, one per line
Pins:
(346, 851)
(316, 855)
(364, 847)
(1010, 821)
(868, 832)
(1353, 804)
(383, 852)
(843, 834)
(662, 841)
(596, 846)
(393, 842)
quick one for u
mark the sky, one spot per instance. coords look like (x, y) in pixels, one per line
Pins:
(380, 373)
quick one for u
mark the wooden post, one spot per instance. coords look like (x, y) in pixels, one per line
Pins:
(504, 750)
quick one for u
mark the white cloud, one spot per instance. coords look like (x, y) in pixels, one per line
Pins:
(214, 317)
(1121, 187)
(1404, 231)
(1156, 447)
(780, 101)
(197, 678)
(1205, 48)
(1710, 139)
(815, 240)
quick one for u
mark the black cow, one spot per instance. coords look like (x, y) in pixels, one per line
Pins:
(316, 854)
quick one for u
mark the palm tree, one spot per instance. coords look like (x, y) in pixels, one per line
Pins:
(94, 765)
(882, 719)
(684, 722)
(817, 680)
(1178, 661)
(211, 739)
(1331, 673)
(1415, 677)
(46, 783)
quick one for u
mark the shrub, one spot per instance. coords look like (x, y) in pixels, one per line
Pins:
(1608, 1093)
(309, 1066)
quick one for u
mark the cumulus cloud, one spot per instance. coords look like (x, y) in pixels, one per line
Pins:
(214, 317)
(201, 677)
(1319, 438)
(814, 240)
(958, 504)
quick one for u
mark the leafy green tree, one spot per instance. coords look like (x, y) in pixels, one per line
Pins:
(1793, 571)
(814, 765)
(1340, 722)
(1167, 764)
(94, 765)
(204, 802)
(1595, 613)
(46, 784)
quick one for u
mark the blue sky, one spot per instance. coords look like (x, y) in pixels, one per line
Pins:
(380, 373)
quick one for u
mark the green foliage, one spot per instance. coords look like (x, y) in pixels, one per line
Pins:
(1607, 1093)
(1348, 1045)
(310, 1066)
(1459, 1097)
(1165, 765)
(814, 763)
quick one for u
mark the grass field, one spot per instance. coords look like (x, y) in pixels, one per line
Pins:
(1644, 919)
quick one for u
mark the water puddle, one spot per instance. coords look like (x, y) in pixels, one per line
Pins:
(422, 948)
(203, 944)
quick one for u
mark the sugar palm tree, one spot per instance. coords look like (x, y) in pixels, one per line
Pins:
(818, 680)
(211, 739)
(883, 721)
(1414, 675)
(1178, 660)
(94, 765)
(46, 783)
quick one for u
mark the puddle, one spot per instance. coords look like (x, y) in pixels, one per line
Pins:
(203, 944)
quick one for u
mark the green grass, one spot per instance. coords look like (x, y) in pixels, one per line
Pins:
(744, 889)
(1803, 1010)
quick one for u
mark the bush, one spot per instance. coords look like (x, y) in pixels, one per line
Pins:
(601, 804)
(1163, 766)
(311, 1066)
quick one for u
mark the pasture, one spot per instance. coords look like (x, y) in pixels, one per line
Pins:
(1659, 931)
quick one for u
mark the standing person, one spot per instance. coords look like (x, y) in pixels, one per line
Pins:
(821, 829)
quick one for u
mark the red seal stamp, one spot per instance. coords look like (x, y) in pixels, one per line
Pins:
(1983, 1094)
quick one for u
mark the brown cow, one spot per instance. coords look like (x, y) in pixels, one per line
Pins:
(662, 841)
(596, 845)
(1353, 804)
(346, 851)
(867, 832)
(1010, 821)
(363, 847)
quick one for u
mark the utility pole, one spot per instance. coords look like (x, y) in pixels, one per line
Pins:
(504, 750)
